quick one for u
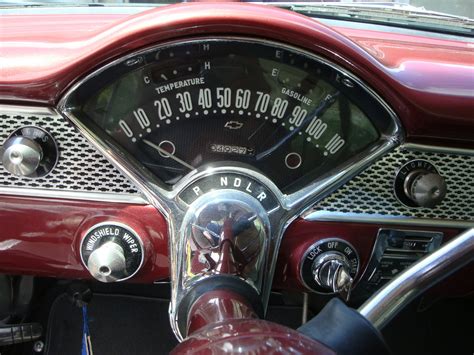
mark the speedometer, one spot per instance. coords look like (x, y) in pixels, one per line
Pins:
(178, 107)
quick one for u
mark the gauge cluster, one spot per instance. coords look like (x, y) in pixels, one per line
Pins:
(285, 113)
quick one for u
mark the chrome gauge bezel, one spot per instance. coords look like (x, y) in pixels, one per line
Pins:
(290, 205)
(389, 138)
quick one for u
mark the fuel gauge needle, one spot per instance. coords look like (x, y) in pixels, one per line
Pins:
(167, 154)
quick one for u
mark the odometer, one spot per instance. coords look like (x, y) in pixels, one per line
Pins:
(178, 107)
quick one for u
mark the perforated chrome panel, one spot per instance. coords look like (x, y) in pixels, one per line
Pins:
(80, 166)
(371, 192)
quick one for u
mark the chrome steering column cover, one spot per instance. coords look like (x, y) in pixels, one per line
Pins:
(225, 235)
(224, 232)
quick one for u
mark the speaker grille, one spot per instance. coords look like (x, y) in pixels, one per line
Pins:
(371, 192)
(80, 166)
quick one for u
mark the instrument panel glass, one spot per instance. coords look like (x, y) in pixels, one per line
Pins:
(211, 102)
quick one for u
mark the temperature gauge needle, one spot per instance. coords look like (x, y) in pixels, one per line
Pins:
(168, 154)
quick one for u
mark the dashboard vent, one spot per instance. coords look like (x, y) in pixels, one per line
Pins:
(80, 167)
(371, 192)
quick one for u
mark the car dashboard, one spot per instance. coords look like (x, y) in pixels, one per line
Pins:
(355, 142)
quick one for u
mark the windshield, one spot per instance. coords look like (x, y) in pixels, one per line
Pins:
(452, 16)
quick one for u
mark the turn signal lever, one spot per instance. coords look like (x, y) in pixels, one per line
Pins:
(408, 285)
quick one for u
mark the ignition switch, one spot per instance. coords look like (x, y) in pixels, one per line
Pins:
(330, 266)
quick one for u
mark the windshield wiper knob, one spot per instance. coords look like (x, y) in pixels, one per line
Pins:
(112, 252)
(107, 263)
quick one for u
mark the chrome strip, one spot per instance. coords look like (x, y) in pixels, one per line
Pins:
(399, 292)
(144, 181)
(437, 149)
(28, 110)
(73, 195)
(327, 216)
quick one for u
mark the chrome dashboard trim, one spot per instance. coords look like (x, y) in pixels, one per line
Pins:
(144, 181)
(327, 216)
(72, 195)
(371, 191)
(29, 110)
(79, 168)
(437, 149)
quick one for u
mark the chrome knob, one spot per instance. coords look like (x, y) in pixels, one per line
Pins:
(112, 252)
(425, 189)
(21, 156)
(332, 272)
(107, 263)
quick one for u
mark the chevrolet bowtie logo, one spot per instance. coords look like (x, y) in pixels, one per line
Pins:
(233, 125)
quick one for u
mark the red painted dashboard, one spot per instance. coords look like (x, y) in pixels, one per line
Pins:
(428, 81)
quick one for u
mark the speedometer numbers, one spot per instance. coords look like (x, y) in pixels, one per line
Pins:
(212, 102)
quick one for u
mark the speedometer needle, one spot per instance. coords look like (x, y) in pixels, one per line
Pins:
(323, 106)
(167, 154)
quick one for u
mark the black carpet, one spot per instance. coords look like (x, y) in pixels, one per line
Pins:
(118, 325)
(126, 325)
(446, 328)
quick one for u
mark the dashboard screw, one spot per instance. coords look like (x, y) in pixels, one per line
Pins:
(348, 83)
(133, 61)
(38, 346)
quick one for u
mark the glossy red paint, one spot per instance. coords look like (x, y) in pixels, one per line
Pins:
(42, 237)
(302, 234)
(218, 306)
(426, 81)
(245, 336)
